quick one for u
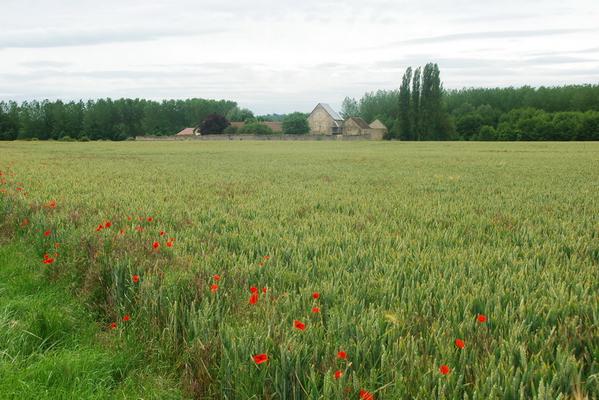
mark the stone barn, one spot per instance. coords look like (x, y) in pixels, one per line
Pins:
(323, 120)
(354, 126)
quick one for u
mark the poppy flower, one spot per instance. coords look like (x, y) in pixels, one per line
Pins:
(51, 204)
(260, 358)
(139, 228)
(342, 355)
(25, 222)
(315, 295)
(315, 310)
(162, 233)
(135, 278)
(261, 264)
(99, 228)
(254, 289)
(126, 318)
(481, 318)
(444, 369)
(169, 244)
(299, 325)
(129, 218)
(107, 224)
(150, 219)
(266, 258)
(264, 290)
(365, 395)
(113, 325)
(459, 343)
(338, 374)
(214, 288)
(216, 277)
(48, 260)
(254, 298)
(155, 245)
(122, 231)
(48, 232)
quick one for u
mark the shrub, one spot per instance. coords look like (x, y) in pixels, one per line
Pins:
(214, 124)
(256, 128)
(66, 139)
(296, 124)
(230, 130)
(84, 139)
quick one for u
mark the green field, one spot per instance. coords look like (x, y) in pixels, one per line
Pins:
(406, 243)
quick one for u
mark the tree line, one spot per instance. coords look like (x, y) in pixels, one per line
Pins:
(104, 118)
(422, 110)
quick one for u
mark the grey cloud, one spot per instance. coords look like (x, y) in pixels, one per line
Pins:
(485, 35)
(44, 38)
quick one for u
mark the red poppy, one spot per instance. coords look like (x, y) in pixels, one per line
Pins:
(315, 295)
(171, 240)
(122, 231)
(216, 277)
(481, 318)
(264, 290)
(315, 310)
(459, 343)
(299, 325)
(113, 325)
(126, 318)
(364, 395)
(24, 223)
(99, 228)
(51, 204)
(107, 224)
(261, 264)
(162, 233)
(155, 245)
(254, 298)
(129, 218)
(169, 244)
(48, 232)
(342, 355)
(139, 228)
(338, 374)
(260, 358)
(150, 219)
(48, 260)
(254, 289)
(135, 278)
(214, 288)
(444, 369)
(266, 258)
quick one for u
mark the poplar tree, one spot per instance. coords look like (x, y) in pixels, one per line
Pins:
(416, 114)
(405, 117)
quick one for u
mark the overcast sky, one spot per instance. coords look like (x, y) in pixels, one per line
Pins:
(287, 55)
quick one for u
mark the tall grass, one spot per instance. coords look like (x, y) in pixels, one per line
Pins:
(406, 243)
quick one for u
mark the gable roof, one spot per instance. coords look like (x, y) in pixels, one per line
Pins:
(377, 124)
(358, 121)
(186, 132)
(330, 111)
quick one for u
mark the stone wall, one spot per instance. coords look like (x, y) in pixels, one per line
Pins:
(370, 136)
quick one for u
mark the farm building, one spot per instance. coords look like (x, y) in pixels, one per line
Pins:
(323, 120)
(354, 126)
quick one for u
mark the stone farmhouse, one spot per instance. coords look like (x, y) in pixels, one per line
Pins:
(323, 120)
